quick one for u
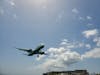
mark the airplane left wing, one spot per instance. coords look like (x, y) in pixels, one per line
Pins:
(27, 50)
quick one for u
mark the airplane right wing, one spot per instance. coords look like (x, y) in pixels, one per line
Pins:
(38, 48)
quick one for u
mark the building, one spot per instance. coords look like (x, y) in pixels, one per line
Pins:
(76, 72)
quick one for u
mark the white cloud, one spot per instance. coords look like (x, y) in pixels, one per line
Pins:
(89, 33)
(1, 11)
(89, 24)
(88, 17)
(12, 3)
(14, 16)
(65, 40)
(95, 34)
(97, 40)
(63, 43)
(95, 53)
(72, 45)
(81, 18)
(85, 18)
(67, 44)
(64, 56)
(60, 16)
(80, 44)
(56, 50)
(75, 10)
(88, 46)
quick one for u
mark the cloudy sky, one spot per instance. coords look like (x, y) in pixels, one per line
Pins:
(70, 30)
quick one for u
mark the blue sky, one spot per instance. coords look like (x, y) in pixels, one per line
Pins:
(69, 29)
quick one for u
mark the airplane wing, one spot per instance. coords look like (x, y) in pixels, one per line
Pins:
(37, 49)
(27, 50)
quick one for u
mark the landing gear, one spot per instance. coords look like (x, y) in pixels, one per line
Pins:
(38, 55)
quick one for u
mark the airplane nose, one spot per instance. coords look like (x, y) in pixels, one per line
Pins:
(42, 45)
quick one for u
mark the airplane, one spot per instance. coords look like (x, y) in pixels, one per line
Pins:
(35, 51)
